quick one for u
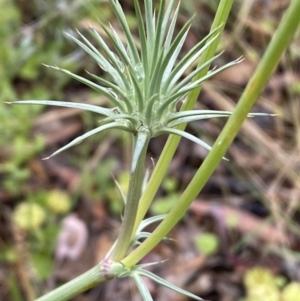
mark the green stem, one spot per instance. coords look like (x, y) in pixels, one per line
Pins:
(134, 193)
(270, 60)
(76, 286)
(173, 141)
(102, 272)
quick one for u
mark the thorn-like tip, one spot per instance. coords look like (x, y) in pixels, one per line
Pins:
(239, 59)
(47, 158)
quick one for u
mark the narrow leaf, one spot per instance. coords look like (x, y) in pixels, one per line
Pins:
(120, 190)
(158, 33)
(141, 235)
(175, 48)
(137, 89)
(132, 71)
(186, 135)
(88, 134)
(184, 86)
(193, 118)
(196, 51)
(190, 76)
(167, 130)
(116, 89)
(75, 105)
(149, 108)
(131, 120)
(189, 113)
(175, 97)
(148, 264)
(112, 56)
(122, 19)
(194, 115)
(142, 287)
(149, 29)
(167, 284)
(171, 30)
(145, 223)
(108, 83)
(99, 58)
(187, 61)
(143, 38)
(92, 85)
(116, 40)
(166, 19)
(164, 68)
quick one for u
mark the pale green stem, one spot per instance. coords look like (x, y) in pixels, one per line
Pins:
(132, 200)
(102, 272)
(76, 286)
(270, 60)
(173, 141)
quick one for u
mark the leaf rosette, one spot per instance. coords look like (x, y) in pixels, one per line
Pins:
(147, 82)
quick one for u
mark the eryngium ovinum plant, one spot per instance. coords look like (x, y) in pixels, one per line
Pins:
(145, 89)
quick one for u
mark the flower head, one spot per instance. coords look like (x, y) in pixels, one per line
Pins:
(29, 216)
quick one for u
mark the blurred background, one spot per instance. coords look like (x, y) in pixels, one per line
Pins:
(241, 236)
